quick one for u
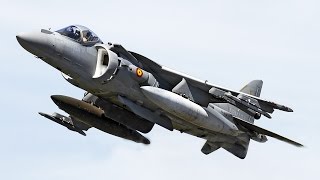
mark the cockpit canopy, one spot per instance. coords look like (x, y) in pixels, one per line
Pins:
(80, 34)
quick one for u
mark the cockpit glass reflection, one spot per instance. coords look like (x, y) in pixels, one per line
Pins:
(80, 34)
(72, 32)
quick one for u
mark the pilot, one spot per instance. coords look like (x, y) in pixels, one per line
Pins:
(86, 36)
(77, 34)
(73, 33)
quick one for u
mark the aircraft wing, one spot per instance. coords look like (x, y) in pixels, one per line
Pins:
(260, 130)
(69, 122)
(79, 124)
(205, 93)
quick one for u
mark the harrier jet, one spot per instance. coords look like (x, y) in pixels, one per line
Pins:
(127, 94)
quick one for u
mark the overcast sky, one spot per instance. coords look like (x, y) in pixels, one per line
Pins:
(225, 42)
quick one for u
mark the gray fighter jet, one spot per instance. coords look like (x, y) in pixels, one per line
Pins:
(127, 93)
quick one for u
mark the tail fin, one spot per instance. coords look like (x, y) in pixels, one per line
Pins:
(253, 88)
(240, 147)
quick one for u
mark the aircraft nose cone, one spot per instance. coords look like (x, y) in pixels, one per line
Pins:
(34, 42)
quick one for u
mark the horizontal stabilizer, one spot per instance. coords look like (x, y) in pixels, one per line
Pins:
(259, 130)
(209, 147)
(236, 149)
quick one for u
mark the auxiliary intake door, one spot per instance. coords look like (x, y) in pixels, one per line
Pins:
(107, 64)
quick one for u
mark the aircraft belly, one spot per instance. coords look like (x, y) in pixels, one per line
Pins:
(202, 133)
(199, 117)
(188, 111)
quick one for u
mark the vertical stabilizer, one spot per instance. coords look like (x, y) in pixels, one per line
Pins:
(253, 88)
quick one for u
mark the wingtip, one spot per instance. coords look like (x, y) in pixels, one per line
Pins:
(300, 145)
(44, 114)
(295, 143)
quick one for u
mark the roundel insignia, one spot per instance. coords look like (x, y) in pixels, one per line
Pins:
(139, 72)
